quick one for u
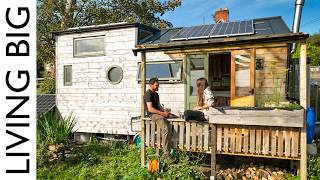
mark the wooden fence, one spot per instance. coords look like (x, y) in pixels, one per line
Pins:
(275, 142)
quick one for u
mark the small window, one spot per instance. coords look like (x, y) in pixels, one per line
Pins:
(91, 46)
(67, 75)
(165, 71)
(143, 35)
(114, 74)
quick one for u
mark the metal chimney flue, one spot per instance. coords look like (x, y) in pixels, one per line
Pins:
(297, 20)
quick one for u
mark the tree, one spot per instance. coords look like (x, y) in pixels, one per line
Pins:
(55, 15)
(313, 50)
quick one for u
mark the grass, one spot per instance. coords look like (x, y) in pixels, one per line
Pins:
(115, 160)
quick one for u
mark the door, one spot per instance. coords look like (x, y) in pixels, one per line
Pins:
(197, 67)
(242, 78)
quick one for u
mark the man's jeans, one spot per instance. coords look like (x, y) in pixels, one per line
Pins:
(164, 125)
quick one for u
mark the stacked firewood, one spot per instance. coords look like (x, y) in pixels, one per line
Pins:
(252, 172)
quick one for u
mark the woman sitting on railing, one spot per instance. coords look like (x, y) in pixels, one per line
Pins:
(205, 100)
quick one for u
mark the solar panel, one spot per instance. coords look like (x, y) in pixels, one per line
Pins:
(45, 103)
(215, 30)
(235, 28)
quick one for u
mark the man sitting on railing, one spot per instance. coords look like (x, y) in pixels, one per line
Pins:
(157, 113)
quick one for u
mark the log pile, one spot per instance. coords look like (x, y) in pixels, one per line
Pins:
(252, 172)
(58, 152)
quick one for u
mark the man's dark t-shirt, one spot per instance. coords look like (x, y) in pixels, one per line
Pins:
(152, 97)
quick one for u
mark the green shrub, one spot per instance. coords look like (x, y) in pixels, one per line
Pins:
(314, 168)
(53, 129)
(42, 154)
(292, 106)
(47, 85)
(186, 168)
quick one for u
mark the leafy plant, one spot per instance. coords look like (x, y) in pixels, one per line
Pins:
(47, 85)
(292, 106)
(314, 168)
(54, 129)
(186, 168)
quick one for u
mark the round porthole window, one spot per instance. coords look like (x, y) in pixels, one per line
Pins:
(114, 74)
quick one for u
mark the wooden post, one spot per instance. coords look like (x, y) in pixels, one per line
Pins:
(304, 93)
(143, 90)
(213, 151)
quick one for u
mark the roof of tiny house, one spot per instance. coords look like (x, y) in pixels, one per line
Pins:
(271, 29)
(101, 27)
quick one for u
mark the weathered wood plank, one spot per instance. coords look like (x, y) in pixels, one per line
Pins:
(181, 134)
(280, 142)
(226, 139)
(188, 135)
(142, 109)
(194, 136)
(152, 136)
(245, 140)
(175, 134)
(266, 136)
(238, 139)
(206, 137)
(252, 140)
(219, 138)
(200, 134)
(287, 139)
(295, 143)
(158, 136)
(281, 118)
(273, 142)
(258, 141)
(147, 133)
(213, 149)
(232, 140)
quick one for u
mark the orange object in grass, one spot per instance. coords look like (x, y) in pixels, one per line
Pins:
(153, 165)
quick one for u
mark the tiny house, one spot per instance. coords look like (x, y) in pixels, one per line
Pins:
(98, 72)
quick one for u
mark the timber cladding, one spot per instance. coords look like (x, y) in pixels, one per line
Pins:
(270, 81)
(97, 105)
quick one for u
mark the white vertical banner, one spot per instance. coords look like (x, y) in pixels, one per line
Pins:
(18, 89)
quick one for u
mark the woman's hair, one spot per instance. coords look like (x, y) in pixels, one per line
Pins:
(202, 84)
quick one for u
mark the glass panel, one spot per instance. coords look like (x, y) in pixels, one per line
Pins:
(163, 70)
(196, 72)
(143, 34)
(67, 75)
(176, 69)
(89, 46)
(158, 70)
(242, 75)
(115, 74)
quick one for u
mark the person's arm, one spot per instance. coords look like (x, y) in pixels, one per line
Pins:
(155, 111)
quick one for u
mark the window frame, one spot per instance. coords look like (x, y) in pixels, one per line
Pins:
(107, 74)
(163, 80)
(89, 54)
(65, 83)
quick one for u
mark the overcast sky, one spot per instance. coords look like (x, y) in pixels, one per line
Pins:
(197, 12)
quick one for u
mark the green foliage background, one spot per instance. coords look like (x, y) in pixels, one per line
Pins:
(313, 50)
